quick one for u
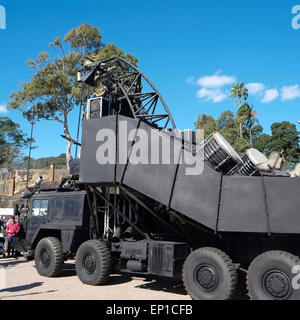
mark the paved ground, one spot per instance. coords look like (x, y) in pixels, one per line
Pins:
(23, 282)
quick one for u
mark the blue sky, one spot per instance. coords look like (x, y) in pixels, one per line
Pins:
(192, 50)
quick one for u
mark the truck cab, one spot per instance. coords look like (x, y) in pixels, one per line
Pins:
(54, 213)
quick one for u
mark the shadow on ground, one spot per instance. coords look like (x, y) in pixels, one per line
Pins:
(156, 283)
(27, 294)
(22, 287)
(169, 285)
(115, 278)
(69, 270)
(11, 263)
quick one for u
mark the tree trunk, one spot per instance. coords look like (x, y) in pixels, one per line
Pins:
(69, 143)
(241, 130)
(68, 153)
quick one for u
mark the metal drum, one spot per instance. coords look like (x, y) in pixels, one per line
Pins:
(251, 159)
(220, 154)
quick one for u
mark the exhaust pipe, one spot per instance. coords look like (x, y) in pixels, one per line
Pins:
(116, 238)
(128, 234)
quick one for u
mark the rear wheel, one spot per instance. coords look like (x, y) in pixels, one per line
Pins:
(270, 276)
(93, 262)
(209, 274)
(49, 257)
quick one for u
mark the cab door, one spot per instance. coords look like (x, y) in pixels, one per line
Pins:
(38, 216)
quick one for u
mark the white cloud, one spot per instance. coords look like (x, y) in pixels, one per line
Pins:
(216, 81)
(3, 108)
(270, 95)
(255, 88)
(214, 95)
(215, 88)
(290, 93)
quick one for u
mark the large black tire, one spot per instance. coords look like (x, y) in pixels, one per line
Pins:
(93, 262)
(49, 257)
(209, 274)
(270, 276)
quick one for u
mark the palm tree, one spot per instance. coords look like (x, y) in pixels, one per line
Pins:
(251, 122)
(246, 116)
(242, 116)
(239, 92)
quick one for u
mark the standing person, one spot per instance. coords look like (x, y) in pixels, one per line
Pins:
(12, 230)
(3, 228)
(2, 237)
(2, 222)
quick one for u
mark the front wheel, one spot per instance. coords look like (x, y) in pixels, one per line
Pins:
(93, 262)
(49, 257)
(209, 274)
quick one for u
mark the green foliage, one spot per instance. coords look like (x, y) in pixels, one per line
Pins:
(85, 39)
(207, 123)
(226, 120)
(11, 141)
(246, 117)
(41, 163)
(50, 93)
(110, 50)
(53, 91)
(227, 125)
(263, 143)
(284, 135)
(239, 92)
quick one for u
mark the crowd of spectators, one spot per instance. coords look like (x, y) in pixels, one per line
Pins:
(9, 229)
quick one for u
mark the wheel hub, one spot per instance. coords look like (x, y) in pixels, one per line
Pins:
(45, 258)
(277, 284)
(206, 277)
(89, 263)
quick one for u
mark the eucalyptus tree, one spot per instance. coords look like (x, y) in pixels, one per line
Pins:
(53, 91)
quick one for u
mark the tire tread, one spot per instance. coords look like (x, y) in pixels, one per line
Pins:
(230, 266)
(105, 259)
(56, 245)
(285, 254)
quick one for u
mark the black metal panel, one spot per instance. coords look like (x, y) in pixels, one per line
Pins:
(154, 180)
(125, 126)
(74, 167)
(242, 207)
(136, 250)
(90, 169)
(197, 196)
(283, 202)
(166, 258)
(67, 239)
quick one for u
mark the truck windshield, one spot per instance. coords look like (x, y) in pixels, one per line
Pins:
(40, 208)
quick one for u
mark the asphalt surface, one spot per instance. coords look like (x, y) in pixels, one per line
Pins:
(22, 282)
